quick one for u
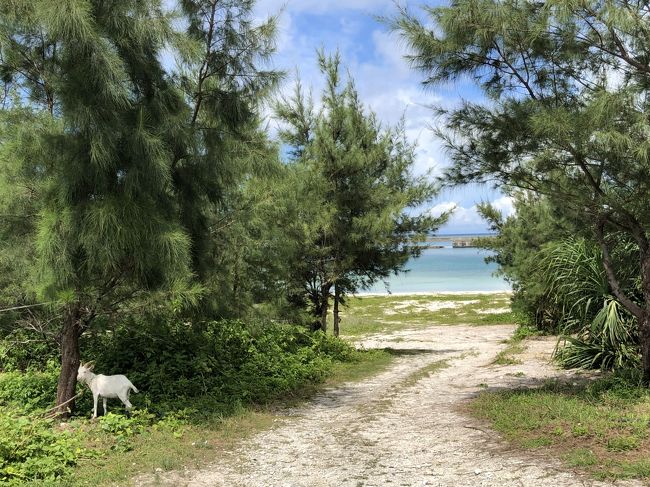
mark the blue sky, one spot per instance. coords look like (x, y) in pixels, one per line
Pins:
(374, 57)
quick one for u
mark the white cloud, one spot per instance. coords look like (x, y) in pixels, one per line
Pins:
(460, 215)
(467, 219)
(388, 47)
(441, 208)
(505, 205)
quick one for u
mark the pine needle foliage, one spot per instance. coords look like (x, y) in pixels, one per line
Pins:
(519, 250)
(223, 72)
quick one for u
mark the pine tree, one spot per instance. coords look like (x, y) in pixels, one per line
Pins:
(107, 228)
(135, 162)
(221, 73)
(359, 190)
(567, 118)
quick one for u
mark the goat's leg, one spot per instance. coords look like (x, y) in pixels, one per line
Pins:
(95, 399)
(124, 397)
(104, 405)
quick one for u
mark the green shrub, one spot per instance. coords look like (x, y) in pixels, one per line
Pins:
(31, 449)
(124, 428)
(227, 363)
(23, 349)
(333, 347)
(524, 331)
(623, 384)
(185, 372)
(31, 390)
(609, 342)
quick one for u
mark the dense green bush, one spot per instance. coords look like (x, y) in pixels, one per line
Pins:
(231, 362)
(22, 349)
(227, 363)
(560, 285)
(29, 391)
(598, 332)
(608, 342)
(31, 449)
(518, 250)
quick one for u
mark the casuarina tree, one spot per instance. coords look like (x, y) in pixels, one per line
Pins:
(121, 148)
(361, 221)
(565, 113)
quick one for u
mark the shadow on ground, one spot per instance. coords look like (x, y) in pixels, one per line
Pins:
(405, 352)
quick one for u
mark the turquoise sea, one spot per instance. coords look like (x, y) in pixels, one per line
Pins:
(446, 269)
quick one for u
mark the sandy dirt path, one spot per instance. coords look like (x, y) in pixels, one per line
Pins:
(403, 427)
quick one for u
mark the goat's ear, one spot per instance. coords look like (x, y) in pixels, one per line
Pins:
(90, 365)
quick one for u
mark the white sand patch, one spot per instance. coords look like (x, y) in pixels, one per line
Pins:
(438, 305)
(405, 304)
(419, 306)
(493, 311)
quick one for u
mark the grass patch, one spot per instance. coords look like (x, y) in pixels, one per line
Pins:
(383, 314)
(195, 443)
(525, 331)
(507, 355)
(424, 372)
(515, 346)
(371, 362)
(600, 427)
(159, 450)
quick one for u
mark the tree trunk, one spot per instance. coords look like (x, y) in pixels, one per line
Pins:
(314, 298)
(321, 310)
(325, 306)
(337, 318)
(644, 320)
(644, 339)
(641, 313)
(70, 359)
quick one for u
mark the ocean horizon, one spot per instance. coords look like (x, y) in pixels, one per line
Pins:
(447, 269)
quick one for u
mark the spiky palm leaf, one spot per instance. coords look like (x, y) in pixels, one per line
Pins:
(576, 280)
(608, 342)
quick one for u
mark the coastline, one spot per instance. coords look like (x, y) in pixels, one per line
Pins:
(432, 293)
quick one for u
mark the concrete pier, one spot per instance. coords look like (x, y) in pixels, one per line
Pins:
(457, 241)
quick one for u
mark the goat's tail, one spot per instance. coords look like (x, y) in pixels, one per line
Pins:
(134, 389)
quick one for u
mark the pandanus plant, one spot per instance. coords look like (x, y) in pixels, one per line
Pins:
(598, 332)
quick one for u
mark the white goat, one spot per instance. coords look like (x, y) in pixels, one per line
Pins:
(106, 386)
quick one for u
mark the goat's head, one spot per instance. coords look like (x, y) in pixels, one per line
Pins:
(85, 371)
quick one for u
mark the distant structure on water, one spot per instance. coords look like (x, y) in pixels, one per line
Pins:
(457, 241)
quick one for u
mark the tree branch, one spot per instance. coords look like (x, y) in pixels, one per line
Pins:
(615, 284)
(515, 72)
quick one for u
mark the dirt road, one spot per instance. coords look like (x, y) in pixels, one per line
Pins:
(400, 428)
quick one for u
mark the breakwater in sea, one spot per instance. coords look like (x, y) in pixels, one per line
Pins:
(455, 241)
